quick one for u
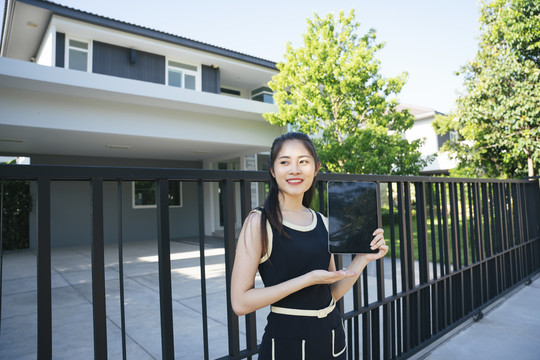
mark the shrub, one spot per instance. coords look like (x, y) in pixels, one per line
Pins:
(17, 204)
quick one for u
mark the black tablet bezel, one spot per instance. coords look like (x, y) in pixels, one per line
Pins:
(364, 234)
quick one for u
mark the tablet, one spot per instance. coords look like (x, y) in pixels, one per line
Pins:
(352, 216)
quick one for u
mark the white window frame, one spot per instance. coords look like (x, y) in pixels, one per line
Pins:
(88, 52)
(184, 71)
(153, 206)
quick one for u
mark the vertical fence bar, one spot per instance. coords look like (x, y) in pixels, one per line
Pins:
(423, 260)
(518, 239)
(381, 290)
(467, 276)
(441, 299)
(121, 269)
(504, 219)
(457, 290)
(432, 229)
(495, 262)
(500, 229)
(525, 212)
(479, 249)
(44, 316)
(486, 242)
(164, 259)
(367, 344)
(465, 232)
(510, 233)
(230, 246)
(454, 227)
(404, 258)
(98, 272)
(448, 297)
(434, 287)
(250, 319)
(409, 244)
(460, 251)
(525, 230)
(395, 329)
(1, 244)
(202, 266)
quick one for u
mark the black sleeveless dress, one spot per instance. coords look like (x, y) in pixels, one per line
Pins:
(292, 337)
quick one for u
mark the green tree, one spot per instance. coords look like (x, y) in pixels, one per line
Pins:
(331, 88)
(497, 116)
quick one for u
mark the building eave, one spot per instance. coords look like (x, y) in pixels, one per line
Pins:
(99, 20)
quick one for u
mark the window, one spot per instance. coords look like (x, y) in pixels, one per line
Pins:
(263, 94)
(77, 55)
(144, 194)
(181, 75)
(231, 92)
(451, 135)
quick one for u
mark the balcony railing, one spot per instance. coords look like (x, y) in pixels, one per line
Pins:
(456, 246)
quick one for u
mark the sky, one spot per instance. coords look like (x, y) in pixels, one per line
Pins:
(428, 39)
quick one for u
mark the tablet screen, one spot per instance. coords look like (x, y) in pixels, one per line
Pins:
(352, 216)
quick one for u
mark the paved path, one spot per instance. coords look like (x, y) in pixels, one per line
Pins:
(510, 329)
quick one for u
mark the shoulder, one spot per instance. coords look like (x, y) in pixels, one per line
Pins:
(253, 219)
(254, 215)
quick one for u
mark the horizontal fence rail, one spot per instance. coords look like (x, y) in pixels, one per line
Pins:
(456, 246)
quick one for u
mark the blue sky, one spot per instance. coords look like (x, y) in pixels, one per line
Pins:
(430, 39)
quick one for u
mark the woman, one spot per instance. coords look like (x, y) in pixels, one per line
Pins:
(288, 243)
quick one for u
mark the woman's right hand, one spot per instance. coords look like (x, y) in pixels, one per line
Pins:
(328, 277)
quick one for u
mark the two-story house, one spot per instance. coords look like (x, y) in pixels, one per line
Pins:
(82, 89)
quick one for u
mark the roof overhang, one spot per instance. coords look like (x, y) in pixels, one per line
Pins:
(27, 21)
(152, 139)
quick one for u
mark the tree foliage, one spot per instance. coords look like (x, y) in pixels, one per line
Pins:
(497, 117)
(16, 208)
(331, 88)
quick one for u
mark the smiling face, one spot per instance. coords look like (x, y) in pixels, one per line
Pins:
(294, 168)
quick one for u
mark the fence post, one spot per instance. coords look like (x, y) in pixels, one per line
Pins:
(98, 272)
(164, 259)
(44, 317)
(230, 247)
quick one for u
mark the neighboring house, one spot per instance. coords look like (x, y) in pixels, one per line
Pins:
(81, 89)
(422, 128)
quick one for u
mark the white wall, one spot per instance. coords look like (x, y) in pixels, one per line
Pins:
(423, 129)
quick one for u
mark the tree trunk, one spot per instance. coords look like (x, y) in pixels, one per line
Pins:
(530, 163)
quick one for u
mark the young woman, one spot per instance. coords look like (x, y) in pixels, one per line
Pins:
(288, 244)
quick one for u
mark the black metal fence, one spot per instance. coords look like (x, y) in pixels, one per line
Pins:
(456, 245)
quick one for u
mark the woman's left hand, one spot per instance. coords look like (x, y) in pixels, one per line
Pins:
(378, 242)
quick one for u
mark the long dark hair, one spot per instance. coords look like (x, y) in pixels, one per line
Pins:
(271, 210)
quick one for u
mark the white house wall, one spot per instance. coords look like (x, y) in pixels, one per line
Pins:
(423, 128)
(71, 215)
(46, 53)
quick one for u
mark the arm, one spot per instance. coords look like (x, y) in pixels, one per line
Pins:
(358, 264)
(245, 298)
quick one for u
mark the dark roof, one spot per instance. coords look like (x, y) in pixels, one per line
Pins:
(144, 31)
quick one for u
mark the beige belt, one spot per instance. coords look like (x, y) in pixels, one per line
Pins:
(322, 313)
